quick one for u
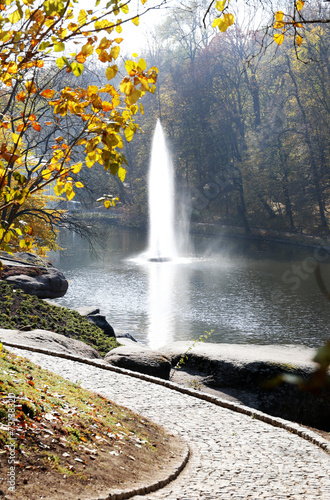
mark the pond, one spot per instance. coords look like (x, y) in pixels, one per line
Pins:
(241, 291)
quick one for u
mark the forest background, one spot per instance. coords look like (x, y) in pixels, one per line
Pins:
(243, 96)
(247, 122)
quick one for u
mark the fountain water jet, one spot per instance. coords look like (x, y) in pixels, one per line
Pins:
(162, 245)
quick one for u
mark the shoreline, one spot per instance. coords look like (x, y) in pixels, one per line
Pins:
(287, 237)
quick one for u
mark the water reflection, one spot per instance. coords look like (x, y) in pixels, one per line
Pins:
(161, 279)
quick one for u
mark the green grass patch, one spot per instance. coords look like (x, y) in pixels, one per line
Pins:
(19, 310)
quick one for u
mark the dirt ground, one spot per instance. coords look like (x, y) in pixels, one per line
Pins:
(91, 471)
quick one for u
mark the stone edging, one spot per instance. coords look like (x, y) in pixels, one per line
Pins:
(143, 490)
(245, 410)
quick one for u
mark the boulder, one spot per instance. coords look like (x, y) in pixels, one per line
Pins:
(50, 285)
(139, 358)
(34, 275)
(45, 339)
(101, 321)
(248, 367)
(92, 314)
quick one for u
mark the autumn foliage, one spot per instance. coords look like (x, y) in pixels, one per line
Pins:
(38, 41)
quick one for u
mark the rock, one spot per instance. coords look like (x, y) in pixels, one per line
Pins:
(26, 258)
(47, 283)
(139, 358)
(50, 285)
(45, 339)
(128, 336)
(101, 321)
(87, 310)
(248, 367)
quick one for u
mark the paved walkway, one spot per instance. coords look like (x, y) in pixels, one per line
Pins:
(233, 455)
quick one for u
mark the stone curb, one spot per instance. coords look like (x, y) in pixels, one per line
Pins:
(292, 427)
(143, 490)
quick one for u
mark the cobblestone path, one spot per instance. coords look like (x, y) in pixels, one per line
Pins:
(233, 455)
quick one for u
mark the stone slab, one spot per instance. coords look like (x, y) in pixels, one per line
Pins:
(241, 354)
(249, 368)
(138, 358)
(49, 340)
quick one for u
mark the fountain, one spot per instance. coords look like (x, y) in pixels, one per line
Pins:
(162, 245)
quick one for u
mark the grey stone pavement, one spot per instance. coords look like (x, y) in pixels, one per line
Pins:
(232, 454)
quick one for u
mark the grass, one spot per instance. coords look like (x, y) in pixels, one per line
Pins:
(66, 439)
(21, 311)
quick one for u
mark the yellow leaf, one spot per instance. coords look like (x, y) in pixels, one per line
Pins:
(16, 138)
(115, 51)
(69, 191)
(133, 96)
(107, 203)
(300, 4)
(107, 106)
(46, 174)
(279, 38)
(142, 64)
(134, 109)
(76, 168)
(58, 189)
(299, 40)
(136, 20)
(12, 68)
(220, 5)
(82, 18)
(124, 8)
(119, 29)
(129, 134)
(111, 72)
(121, 173)
(143, 2)
(92, 90)
(60, 62)
(77, 68)
(279, 25)
(130, 66)
(223, 24)
(15, 16)
(229, 19)
(79, 185)
(279, 15)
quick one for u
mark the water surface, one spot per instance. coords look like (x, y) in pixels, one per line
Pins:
(244, 292)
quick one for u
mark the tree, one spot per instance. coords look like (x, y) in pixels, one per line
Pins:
(38, 143)
(284, 19)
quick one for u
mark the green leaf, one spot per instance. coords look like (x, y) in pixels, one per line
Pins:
(59, 47)
(43, 46)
